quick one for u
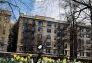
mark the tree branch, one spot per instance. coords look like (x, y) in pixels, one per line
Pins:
(81, 9)
(89, 6)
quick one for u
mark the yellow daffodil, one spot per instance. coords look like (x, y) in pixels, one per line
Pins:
(17, 57)
(25, 59)
(22, 58)
(30, 55)
(14, 55)
(64, 61)
(46, 59)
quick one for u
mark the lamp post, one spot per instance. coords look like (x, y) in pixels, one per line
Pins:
(39, 54)
(40, 47)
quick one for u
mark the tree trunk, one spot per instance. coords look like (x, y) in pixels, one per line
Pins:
(91, 32)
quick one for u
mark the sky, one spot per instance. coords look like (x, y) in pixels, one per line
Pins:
(48, 8)
(24, 6)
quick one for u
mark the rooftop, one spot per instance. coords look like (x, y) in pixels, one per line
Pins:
(44, 18)
(6, 12)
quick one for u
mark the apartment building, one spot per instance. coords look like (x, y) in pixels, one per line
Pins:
(26, 30)
(13, 37)
(66, 39)
(42, 31)
(83, 41)
(5, 26)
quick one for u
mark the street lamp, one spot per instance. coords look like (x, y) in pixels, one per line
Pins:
(39, 54)
(40, 47)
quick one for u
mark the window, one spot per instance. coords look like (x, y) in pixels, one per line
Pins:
(58, 34)
(39, 23)
(81, 53)
(33, 29)
(88, 54)
(49, 23)
(88, 42)
(82, 30)
(33, 23)
(4, 28)
(49, 30)
(39, 28)
(47, 50)
(48, 37)
(65, 45)
(3, 31)
(55, 31)
(55, 24)
(55, 51)
(82, 41)
(87, 30)
(79, 43)
(21, 48)
(48, 43)
(65, 52)
(55, 45)
(54, 38)
(0, 18)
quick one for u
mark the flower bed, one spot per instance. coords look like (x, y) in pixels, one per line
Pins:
(16, 58)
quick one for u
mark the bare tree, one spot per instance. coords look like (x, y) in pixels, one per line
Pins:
(78, 10)
(71, 18)
(88, 5)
